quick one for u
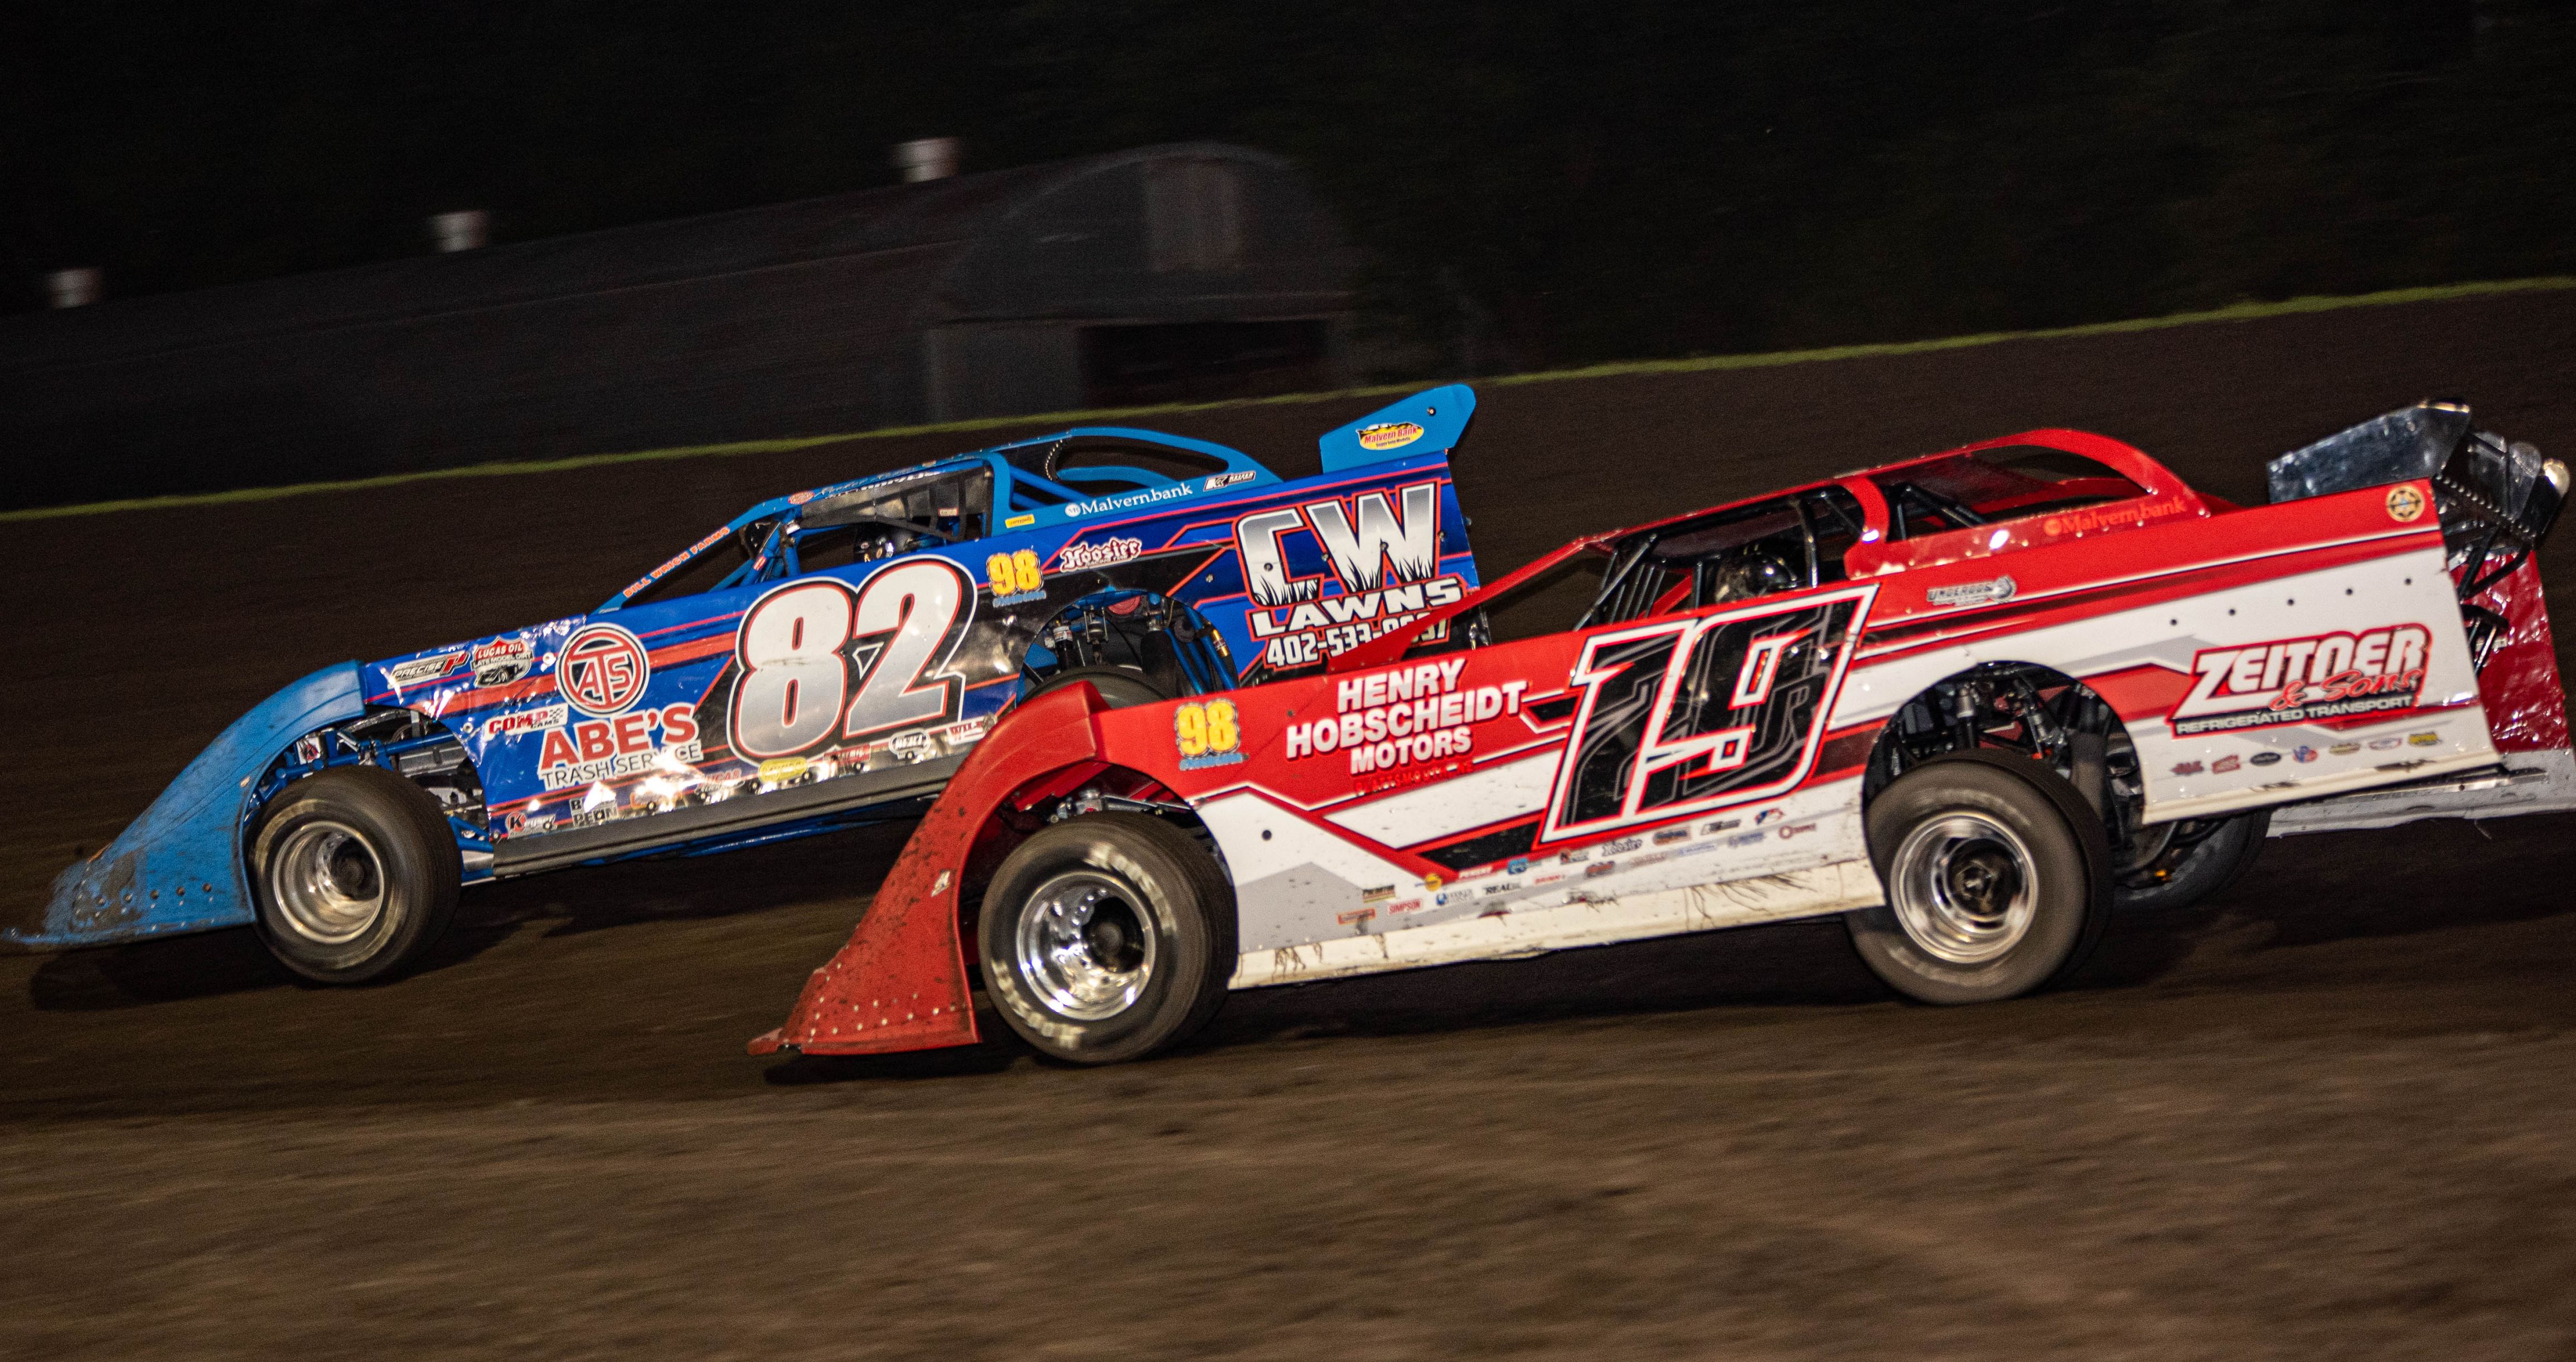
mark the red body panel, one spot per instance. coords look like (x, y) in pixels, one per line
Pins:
(900, 983)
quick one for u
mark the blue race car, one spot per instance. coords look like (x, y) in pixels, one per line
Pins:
(821, 660)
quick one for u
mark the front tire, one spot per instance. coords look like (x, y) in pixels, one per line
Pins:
(354, 873)
(2179, 879)
(1997, 880)
(1107, 937)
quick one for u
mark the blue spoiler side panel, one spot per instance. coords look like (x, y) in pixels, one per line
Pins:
(178, 868)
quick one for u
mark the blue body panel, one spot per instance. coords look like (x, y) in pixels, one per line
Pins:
(696, 722)
(178, 867)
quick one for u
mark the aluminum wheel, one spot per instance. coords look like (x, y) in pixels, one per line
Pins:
(1961, 885)
(1084, 947)
(327, 883)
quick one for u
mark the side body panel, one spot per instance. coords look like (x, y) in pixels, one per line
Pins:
(178, 867)
(867, 684)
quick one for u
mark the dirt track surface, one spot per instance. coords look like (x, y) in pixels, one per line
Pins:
(2328, 1116)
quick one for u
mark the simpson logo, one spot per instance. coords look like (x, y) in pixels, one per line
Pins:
(421, 669)
(503, 661)
(602, 670)
(522, 721)
(2330, 676)
(1973, 593)
(1101, 554)
(2405, 504)
(1389, 435)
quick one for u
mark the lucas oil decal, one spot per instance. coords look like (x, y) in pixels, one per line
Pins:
(630, 744)
(1382, 551)
(502, 661)
(2304, 680)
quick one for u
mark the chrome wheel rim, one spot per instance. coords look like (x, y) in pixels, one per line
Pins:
(1963, 888)
(327, 882)
(1084, 946)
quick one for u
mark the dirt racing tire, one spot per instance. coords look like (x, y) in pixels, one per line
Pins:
(1122, 687)
(354, 874)
(1106, 937)
(2214, 863)
(1997, 878)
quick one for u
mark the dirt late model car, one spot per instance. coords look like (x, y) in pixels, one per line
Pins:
(1968, 702)
(824, 658)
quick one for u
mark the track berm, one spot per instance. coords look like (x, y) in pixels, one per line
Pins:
(2327, 1116)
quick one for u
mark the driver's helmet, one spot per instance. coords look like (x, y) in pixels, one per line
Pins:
(1751, 572)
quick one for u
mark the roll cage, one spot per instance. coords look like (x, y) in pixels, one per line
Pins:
(1005, 488)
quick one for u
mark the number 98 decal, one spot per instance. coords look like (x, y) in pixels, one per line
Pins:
(817, 662)
(1014, 577)
(1207, 734)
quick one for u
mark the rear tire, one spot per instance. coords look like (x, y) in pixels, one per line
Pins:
(1107, 937)
(354, 874)
(2207, 867)
(1997, 879)
(1121, 687)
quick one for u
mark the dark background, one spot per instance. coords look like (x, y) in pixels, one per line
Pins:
(1534, 182)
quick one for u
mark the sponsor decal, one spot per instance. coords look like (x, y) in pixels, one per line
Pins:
(2224, 765)
(535, 720)
(1768, 815)
(1019, 522)
(2422, 739)
(1746, 839)
(2265, 759)
(1790, 830)
(1668, 836)
(1223, 480)
(1101, 553)
(1701, 849)
(1125, 501)
(1973, 593)
(1548, 879)
(1519, 865)
(2112, 517)
(914, 745)
(1721, 825)
(1380, 549)
(2303, 753)
(632, 743)
(1476, 873)
(1207, 735)
(799, 498)
(1575, 857)
(967, 731)
(1388, 435)
(308, 749)
(421, 669)
(1492, 889)
(602, 670)
(1431, 883)
(1600, 869)
(781, 770)
(1622, 846)
(2303, 680)
(503, 660)
(1014, 578)
(1404, 906)
(2344, 749)
(1650, 858)
(1392, 719)
(1378, 895)
(2187, 768)
(1357, 917)
(2405, 504)
(2384, 744)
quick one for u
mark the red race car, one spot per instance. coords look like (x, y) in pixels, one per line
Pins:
(1970, 702)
